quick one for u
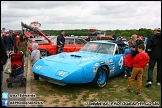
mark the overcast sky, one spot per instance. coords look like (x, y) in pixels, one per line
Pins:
(102, 15)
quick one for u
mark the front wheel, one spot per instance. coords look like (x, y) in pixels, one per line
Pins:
(101, 78)
(44, 53)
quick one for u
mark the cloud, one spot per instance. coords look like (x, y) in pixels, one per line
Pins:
(103, 15)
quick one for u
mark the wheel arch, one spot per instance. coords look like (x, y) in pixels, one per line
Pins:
(99, 77)
(48, 53)
(44, 50)
(106, 68)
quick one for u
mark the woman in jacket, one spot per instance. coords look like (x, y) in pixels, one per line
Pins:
(22, 46)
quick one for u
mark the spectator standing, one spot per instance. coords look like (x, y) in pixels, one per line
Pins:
(4, 58)
(139, 62)
(121, 39)
(136, 42)
(35, 56)
(130, 44)
(113, 37)
(60, 42)
(4, 40)
(128, 63)
(153, 48)
(22, 46)
(9, 42)
(14, 41)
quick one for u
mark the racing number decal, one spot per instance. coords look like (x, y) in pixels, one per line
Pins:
(120, 63)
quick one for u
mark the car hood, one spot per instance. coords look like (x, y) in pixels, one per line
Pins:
(75, 58)
(74, 62)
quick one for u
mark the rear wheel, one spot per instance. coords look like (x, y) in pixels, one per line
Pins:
(23, 82)
(44, 53)
(101, 78)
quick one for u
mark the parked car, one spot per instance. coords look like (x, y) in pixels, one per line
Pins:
(95, 63)
(48, 45)
(36, 40)
(71, 44)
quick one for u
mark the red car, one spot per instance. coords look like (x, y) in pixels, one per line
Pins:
(49, 48)
(48, 45)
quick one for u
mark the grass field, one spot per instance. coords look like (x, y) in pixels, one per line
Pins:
(80, 95)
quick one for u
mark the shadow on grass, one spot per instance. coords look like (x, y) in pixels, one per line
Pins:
(113, 91)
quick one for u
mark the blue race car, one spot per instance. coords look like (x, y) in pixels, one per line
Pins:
(94, 64)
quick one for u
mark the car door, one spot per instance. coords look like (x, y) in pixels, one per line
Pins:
(119, 61)
(69, 45)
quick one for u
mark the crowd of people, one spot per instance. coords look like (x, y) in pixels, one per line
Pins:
(12, 42)
(137, 55)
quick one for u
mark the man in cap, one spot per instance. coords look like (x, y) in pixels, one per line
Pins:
(153, 48)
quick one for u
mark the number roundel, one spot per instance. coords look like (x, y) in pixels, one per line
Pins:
(120, 63)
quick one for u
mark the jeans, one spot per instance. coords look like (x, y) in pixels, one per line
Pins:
(36, 76)
(127, 70)
(151, 68)
(60, 49)
(136, 72)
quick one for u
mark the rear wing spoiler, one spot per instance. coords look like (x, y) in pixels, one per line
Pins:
(35, 30)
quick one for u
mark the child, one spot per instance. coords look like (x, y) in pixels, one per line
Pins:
(128, 63)
(139, 62)
(35, 56)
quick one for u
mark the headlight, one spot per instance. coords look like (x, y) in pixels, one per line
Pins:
(62, 73)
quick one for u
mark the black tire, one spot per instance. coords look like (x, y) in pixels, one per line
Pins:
(101, 78)
(7, 80)
(44, 53)
(23, 82)
(9, 85)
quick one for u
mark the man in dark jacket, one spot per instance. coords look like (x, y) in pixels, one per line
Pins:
(4, 40)
(153, 48)
(60, 42)
(4, 58)
(10, 42)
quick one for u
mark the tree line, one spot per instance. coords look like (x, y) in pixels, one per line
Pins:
(84, 32)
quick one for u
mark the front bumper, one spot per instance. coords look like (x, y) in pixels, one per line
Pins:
(51, 80)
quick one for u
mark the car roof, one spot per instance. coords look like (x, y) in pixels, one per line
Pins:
(73, 37)
(69, 37)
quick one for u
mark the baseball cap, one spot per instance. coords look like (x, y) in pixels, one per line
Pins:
(158, 29)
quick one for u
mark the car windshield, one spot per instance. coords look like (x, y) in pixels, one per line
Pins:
(103, 48)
